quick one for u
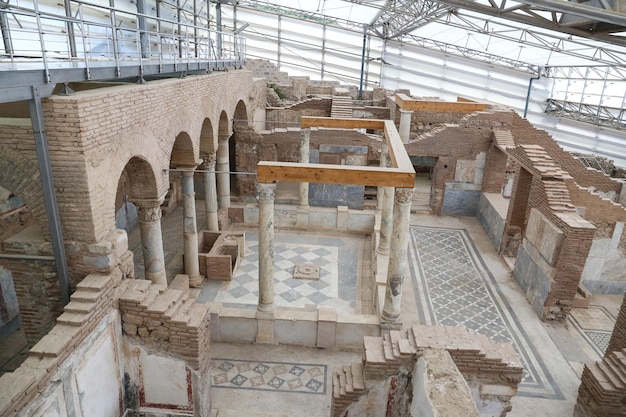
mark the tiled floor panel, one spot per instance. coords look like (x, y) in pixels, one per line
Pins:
(301, 378)
(454, 288)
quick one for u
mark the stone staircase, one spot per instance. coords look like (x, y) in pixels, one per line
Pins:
(475, 355)
(342, 103)
(603, 385)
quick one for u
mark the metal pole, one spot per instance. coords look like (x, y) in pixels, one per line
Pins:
(4, 28)
(180, 35)
(49, 196)
(279, 33)
(141, 22)
(323, 63)
(114, 38)
(362, 62)
(71, 36)
(530, 85)
(195, 28)
(218, 18)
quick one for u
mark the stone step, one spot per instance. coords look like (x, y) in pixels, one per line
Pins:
(85, 296)
(601, 379)
(149, 296)
(358, 381)
(611, 375)
(95, 283)
(81, 307)
(73, 319)
(184, 312)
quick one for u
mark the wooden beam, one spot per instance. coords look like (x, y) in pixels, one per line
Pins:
(268, 172)
(407, 103)
(401, 174)
(335, 123)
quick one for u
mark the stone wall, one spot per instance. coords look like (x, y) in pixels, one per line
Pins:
(491, 220)
(91, 364)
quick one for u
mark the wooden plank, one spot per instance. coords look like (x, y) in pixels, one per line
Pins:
(399, 158)
(407, 103)
(333, 122)
(268, 172)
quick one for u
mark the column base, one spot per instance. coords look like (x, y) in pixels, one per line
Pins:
(265, 327)
(197, 281)
(387, 324)
(382, 251)
(157, 278)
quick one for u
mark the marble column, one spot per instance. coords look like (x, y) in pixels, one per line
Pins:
(223, 177)
(151, 240)
(405, 125)
(266, 246)
(190, 230)
(386, 215)
(210, 194)
(397, 256)
(305, 139)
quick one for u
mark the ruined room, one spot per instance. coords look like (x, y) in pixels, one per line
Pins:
(349, 208)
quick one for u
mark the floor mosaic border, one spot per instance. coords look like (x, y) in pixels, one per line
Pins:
(453, 286)
(597, 339)
(295, 378)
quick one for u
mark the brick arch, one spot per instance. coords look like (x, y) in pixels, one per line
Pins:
(223, 128)
(20, 176)
(183, 153)
(148, 161)
(240, 118)
(208, 145)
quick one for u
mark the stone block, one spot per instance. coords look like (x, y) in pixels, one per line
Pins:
(326, 327)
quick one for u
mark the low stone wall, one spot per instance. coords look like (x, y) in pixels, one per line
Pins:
(491, 219)
(323, 328)
(339, 218)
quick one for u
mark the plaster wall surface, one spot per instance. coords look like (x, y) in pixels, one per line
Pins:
(491, 219)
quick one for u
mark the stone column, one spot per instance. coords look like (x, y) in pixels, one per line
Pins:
(305, 138)
(210, 194)
(398, 255)
(190, 230)
(405, 125)
(223, 177)
(151, 240)
(266, 246)
(386, 215)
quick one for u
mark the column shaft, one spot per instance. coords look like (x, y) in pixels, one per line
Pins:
(386, 215)
(266, 246)
(223, 177)
(405, 125)
(305, 138)
(398, 255)
(210, 194)
(190, 230)
(152, 241)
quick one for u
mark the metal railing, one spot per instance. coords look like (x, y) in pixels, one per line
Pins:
(40, 38)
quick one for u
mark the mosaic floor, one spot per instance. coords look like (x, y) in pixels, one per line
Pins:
(453, 287)
(302, 378)
(595, 325)
(288, 291)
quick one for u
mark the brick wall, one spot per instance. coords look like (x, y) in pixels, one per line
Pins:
(618, 338)
(525, 134)
(93, 134)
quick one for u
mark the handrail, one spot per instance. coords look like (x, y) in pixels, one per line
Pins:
(116, 37)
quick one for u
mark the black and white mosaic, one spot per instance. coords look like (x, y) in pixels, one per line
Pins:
(288, 291)
(453, 287)
(301, 378)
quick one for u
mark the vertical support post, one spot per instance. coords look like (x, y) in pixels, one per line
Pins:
(178, 30)
(279, 33)
(49, 195)
(386, 215)
(71, 36)
(362, 62)
(4, 28)
(218, 21)
(266, 246)
(210, 194)
(305, 138)
(190, 230)
(151, 240)
(223, 176)
(398, 256)
(114, 38)
(405, 125)
(143, 35)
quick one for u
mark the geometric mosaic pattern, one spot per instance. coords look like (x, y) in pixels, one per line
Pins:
(288, 291)
(600, 339)
(454, 288)
(301, 378)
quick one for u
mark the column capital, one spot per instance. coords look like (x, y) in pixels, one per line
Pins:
(402, 111)
(209, 162)
(265, 192)
(403, 195)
